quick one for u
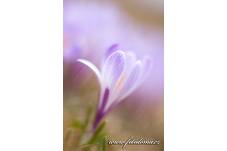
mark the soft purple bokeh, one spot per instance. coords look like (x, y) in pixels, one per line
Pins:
(92, 28)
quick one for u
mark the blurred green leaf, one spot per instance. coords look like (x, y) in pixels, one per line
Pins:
(88, 116)
(102, 144)
(83, 126)
(77, 124)
(97, 134)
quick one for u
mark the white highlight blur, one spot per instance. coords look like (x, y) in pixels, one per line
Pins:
(195, 75)
(31, 61)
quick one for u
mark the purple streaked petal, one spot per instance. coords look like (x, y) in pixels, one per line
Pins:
(132, 81)
(147, 65)
(118, 85)
(113, 67)
(93, 68)
(130, 61)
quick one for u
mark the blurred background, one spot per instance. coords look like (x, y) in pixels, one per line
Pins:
(90, 28)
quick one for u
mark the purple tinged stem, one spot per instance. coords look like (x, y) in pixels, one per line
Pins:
(100, 114)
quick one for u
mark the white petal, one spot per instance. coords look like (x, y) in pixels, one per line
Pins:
(112, 68)
(123, 88)
(132, 81)
(147, 66)
(118, 85)
(93, 68)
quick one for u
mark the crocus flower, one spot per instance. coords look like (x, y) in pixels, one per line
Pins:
(91, 27)
(120, 74)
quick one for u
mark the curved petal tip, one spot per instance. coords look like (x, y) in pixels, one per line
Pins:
(92, 67)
